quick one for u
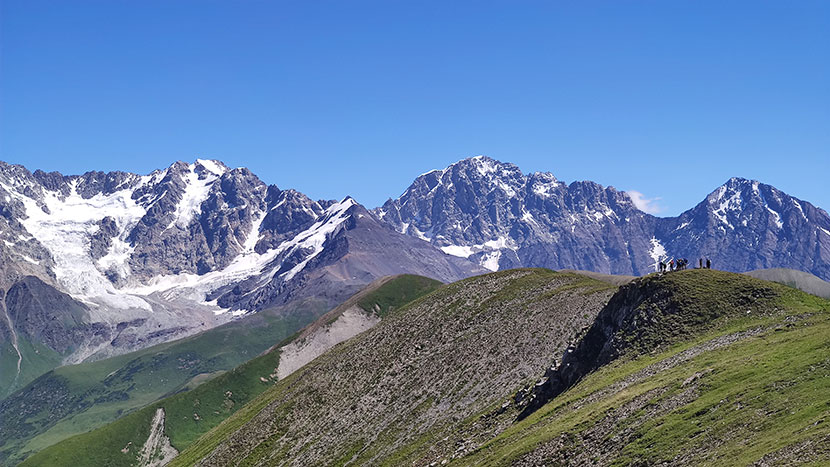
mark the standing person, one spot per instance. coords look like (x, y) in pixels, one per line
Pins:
(708, 263)
(701, 263)
(671, 265)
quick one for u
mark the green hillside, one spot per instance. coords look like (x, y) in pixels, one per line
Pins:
(524, 367)
(751, 387)
(190, 414)
(388, 394)
(74, 399)
(707, 367)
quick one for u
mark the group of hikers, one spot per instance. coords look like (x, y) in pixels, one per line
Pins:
(681, 264)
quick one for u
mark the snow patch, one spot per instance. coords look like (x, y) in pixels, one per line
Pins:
(66, 234)
(247, 264)
(195, 193)
(657, 251)
(254, 235)
(28, 259)
(776, 218)
(501, 242)
(457, 250)
(726, 205)
(212, 166)
(800, 209)
(491, 260)
(335, 215)
(483, 165)
(426, 236)
(117, 258)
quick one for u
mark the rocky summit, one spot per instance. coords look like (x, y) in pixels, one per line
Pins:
(490, 212)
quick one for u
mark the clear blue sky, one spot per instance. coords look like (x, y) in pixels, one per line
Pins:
(669, 98)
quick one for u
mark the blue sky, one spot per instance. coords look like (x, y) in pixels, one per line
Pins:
(668, 98)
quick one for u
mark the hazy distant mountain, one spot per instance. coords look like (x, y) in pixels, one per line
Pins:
(799, 279)
(492, 213)
(141, 259)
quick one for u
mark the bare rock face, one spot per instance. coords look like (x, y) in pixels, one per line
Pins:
(43, 314)
(491, 213)
(157, 450)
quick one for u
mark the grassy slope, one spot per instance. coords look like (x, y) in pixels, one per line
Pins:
(400, 291)
(764, 395)
(76, 398)
(190, 414)
(514, 304)
(37, 360)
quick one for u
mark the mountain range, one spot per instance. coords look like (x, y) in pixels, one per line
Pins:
(492, 213)
(136, 260)
(129, 261)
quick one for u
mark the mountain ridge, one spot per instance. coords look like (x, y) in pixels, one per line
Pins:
(489, 211)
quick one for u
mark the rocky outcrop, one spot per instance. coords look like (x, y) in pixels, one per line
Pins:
(746, 225)
(648, 314)
(157, 450)
(43, 314)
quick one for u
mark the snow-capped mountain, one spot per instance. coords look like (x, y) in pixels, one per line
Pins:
(492, 213)
(745, 225)
(147, 258)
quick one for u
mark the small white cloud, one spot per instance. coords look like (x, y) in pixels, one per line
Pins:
(647, 205)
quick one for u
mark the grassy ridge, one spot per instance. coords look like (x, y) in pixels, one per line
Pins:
(426, 362)
(192, 413)
(399, 291)
(761, 397)
(721, 368)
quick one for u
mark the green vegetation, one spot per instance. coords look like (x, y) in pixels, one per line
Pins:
(192, 413)
(37, 360)
(77, 398)
(400, 290)
(684, 304)
(733, 400)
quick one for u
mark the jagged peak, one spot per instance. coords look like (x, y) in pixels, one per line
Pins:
(486, 165)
